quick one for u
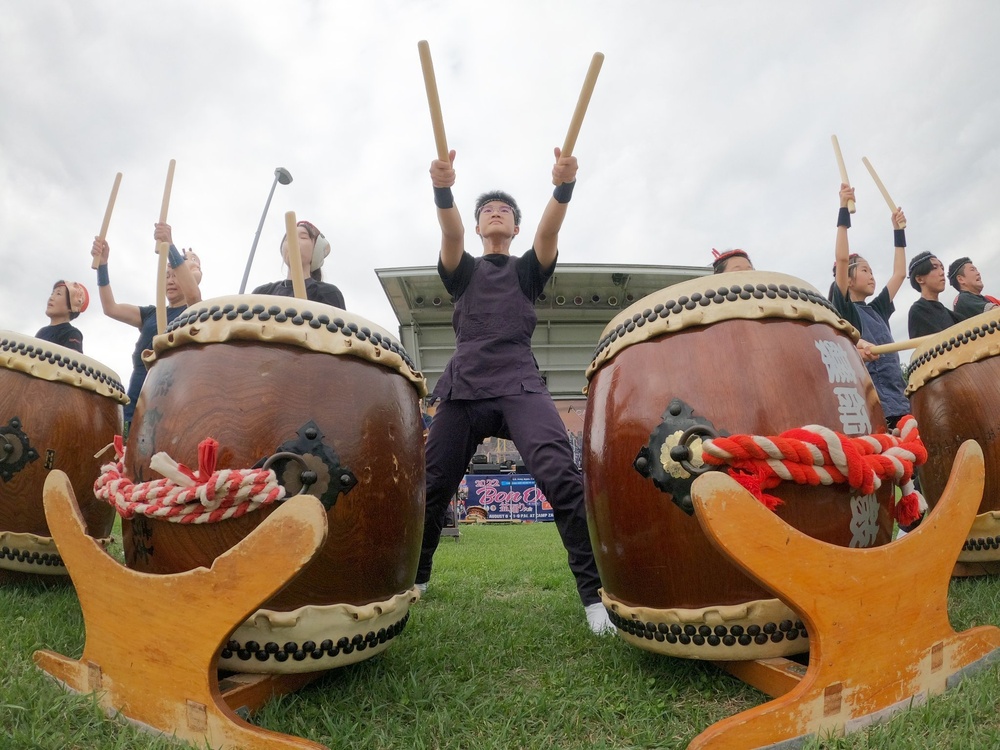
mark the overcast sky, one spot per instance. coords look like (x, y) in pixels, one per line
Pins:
(709, 127)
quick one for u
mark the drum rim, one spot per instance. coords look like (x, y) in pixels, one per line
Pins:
(949, 349)
(286, 320)
(688, 304)
(47, 361)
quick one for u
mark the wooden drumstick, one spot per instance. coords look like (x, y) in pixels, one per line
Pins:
(161, 250)
(107, 216)
(881, 187)
(430, 83)
(899, 346)
(581, 105)
(295, 255)
(843, 169)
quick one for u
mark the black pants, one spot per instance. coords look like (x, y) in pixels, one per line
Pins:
(532, 422)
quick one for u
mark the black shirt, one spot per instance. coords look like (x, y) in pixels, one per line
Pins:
(63, 334)
(317, 291)
(929, 316)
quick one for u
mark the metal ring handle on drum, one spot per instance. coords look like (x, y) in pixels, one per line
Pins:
(307, 476)
(681, 453)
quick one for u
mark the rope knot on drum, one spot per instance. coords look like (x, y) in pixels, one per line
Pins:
(186, 496)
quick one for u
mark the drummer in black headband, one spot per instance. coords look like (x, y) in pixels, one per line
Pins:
(492, 386)
(971, 301)
(927, 314)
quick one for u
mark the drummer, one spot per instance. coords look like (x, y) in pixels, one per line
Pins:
(730, 261)
(67, 301)
(492, 386)
(853, 284)
(971, 301)
(313, 249)
(183, 278)
(928, 315)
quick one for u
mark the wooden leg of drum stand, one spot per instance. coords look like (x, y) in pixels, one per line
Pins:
(877, 618)
(152, 641)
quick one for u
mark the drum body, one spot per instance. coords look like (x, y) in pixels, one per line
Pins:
(259, 384)
(774, 359)
(58, 409)
(954, 390)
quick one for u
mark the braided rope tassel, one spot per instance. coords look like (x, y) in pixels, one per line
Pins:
(817, 455)
(185, 496)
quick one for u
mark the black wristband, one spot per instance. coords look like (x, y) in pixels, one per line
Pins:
(899, 235)
(844, 217)
(564, 192)
(443, 197)
(174, 257)
(102, 275)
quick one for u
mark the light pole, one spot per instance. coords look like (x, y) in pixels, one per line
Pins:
(283, 176)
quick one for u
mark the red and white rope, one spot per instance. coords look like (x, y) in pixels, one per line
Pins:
(185, 496)
(817, 455)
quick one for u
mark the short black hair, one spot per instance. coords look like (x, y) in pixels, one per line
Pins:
(955, 270)
(498, 195)
(920, 266)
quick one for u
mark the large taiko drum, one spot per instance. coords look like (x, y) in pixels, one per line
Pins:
(264, 376)
(58, 410)
(954, 389)
(740, 353)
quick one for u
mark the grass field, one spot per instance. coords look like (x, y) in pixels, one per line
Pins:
(497, 655)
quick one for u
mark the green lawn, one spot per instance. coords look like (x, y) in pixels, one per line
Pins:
(497, 655)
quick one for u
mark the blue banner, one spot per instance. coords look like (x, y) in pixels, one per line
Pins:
(504, 497)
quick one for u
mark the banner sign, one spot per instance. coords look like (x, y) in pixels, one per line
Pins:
(504, 497)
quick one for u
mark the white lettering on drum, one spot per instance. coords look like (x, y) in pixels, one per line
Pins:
(864, 520)
(853, 411)
(838, 365)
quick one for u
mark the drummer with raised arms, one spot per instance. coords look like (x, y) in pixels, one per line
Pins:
(183, 278)
(67, 301)
(492, 385)
(853, 284)
(928, 314)
(313, 249)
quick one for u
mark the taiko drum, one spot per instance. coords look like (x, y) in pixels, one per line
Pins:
(954, 389)
(743, 353)
(58, 410)
(269, 375)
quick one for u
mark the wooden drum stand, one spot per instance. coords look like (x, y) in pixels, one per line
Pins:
(877, 618)
(152, 641)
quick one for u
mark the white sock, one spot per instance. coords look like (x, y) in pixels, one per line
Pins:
(422, 587)
(598, 620)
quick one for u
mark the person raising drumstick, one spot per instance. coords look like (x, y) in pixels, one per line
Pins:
(183, 278)
(853, 284)
(492, 385)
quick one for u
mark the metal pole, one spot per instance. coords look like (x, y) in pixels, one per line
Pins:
(283, 176)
